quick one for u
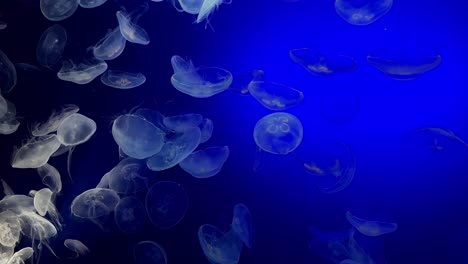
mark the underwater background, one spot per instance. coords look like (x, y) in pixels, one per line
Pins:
(421, 189)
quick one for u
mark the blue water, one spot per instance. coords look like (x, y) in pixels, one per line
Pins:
(423, 191)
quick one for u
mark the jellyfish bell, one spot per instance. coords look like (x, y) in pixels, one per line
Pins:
(94, 203)
(362, 12)
(82, 73)
(128, 27)
(322, 64)
(207, 9)
(370, 227)
(130, 215)
(76, 246)
(205, 163)
(110, 46)
(122, 80)
(242, 224)
(57, 10)
(51, 45)
(219, 247)
(275, 96)
(36, 152)
(54, 120)
(149, 252)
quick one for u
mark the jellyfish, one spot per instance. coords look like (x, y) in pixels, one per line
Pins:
(128, 177)
(6, 188)
(219, 247)
(3, 25)
(137, 137)
(130, 215)
(8, 122)
(207, 9)
(205, 163)
(241, 83)
(51, 45)
(370, 228)
(17, 203)
(206, 129)
(182, 122)
(10, 229)
(166, 204)
(191, 6)
(278, 133)
(122, 80)
(8, 76)
(57, 10)
(175, 149)
(50, 177)
(330, 245)
(320, 64)
(76, 246)
(275, 96)
(149, 252)
(242, 224)
(362, 12)
(94, 203)
(199, 82)
(436, 138)
(20, 256)
(35, 153)
(54, 121)
(403, 65)
(110, 46)
(129, 29)
(91, 3)
(82, 73)
(43, 203)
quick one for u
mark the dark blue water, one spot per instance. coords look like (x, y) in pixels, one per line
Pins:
(423, 191)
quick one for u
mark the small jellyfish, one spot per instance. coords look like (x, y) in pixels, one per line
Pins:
(275, 96)
(208, 7)
(54, 121)
(199, 82)
(8, 76)
(50, 177)
(128, 177)
(130, 215)
(94, 203)
(110, 46)
(219, 247)
(149, 252)
(57, 10)
(362, 12)
(320, 64)
(369, 227)
(76, 246)
(35, 153)
(205, 163)
(166, 204)
(91, 3)
(42, 198)
(242, 224)
(51, 45)
(278, 133)
(75, 129)
(82, 73)
(129, 29)
(122, 80)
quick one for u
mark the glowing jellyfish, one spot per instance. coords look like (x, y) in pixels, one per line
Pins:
(275, 96)
(278, 133)
(76, 246)
(54, 121)
(75, 129)
(330, 245)
(370, 228)
(137, 137)
(206, 129)
(199, 82)
(401, 65)
(35, 153)
(242, 224)
(20, 256)
(50, 177)
(91, 3)
(42, 198)
(176, 149)
(129, 29)
(57, 10)
(82, 73)
(182, 122)
(208, 7)
(122, 80)
(110, 46)
(7, 74)
(205, 163)
(128, 177)
(149, 252)
(320, 64)
(130, 215)
(94, 203)
(11, 229)
(362, 12)
(8, 122)
(17, 203)
(219, 247)
(51, 45)
(191, 6)
(166, 204)
(36, 227)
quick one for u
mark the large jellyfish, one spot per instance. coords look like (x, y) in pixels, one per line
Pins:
(122, 80)
(76, 246)
(82, 73)
(110, 46)
(51, 45)
(44, 204)
(403, 65)
(91, 3)
(278, 133)
(219, 247)
(242, 224)
(130, 215)
(369, 227)
(362, 12)
(205, 163)
(7, 74)
(75, 129)
(199, 82)
(275, 96)
(95, 203)
(54, 121)
(35, 153)
(166, 204)
(320, 64)
(128, 27)
(149, 252)
(128, 177)
(57, 10)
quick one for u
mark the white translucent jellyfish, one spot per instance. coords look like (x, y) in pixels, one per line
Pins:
(57, 10)
(128, 177)
(137, 137)
(199, 82)
(10, 229)
(122, 80)
(51, 45)
(36, 227)
(54, 121)
(110, 46)
(35, 153)
(369, 227)
(403, 65)
(166, 204)
(191, 6)
(94, 203)
(76, 246)
(206, 129)
(3, 25)
(8, 76)
(362, 12)
(128, 27)
(242, 224)
(321, 64)
(75, 129)
(176, 149)
(17, 203)
(21, 256)
(91, 3)
(130, 215)
(207, 9)
(219, 247)
(8, 122)
(205, 163)
(50, 177)
(82, 73)
(149, 252)
(275, 96)
(278, 133)
(330, 245)
(182, 122)
(42, 198)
